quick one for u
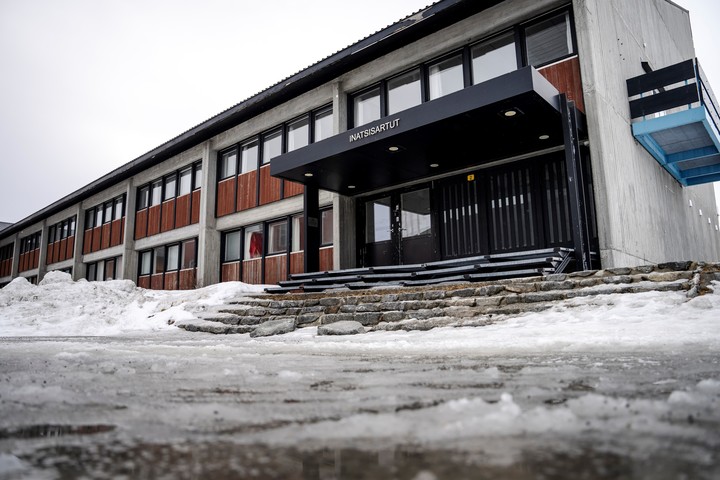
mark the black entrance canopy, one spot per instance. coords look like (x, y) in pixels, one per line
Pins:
(507, 116)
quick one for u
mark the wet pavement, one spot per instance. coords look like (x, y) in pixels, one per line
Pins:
(188, 406)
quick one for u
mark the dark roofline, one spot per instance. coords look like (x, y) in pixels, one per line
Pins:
(411, 28)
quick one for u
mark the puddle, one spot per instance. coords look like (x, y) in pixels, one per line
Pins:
(50, 431)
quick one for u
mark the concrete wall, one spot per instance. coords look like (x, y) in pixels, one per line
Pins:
(644, 214)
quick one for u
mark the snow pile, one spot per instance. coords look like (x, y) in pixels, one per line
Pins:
(60, 307)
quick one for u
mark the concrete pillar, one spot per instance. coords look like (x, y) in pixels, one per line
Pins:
(42, 267)
(130, 257)
(78, 271)
(208, 268)
(311, 208)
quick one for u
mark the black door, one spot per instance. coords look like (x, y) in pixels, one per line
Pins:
(399, 229)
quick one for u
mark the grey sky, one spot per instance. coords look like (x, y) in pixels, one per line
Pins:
(89, 85)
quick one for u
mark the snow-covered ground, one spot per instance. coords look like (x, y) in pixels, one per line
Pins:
(94, 382)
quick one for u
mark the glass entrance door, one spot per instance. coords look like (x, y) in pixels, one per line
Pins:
(399, 229)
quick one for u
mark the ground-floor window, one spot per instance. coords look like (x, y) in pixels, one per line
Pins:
(101, 270)
(268, 252)
(169, 267)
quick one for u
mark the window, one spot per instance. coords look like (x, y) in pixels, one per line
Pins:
(156, 192)
(189, 248)
(146, 262)
(298, 134)
(91, 272)
(298, 233)
(170, 185)
(228, 164)
(404, 92)
(323, 125)
(99, 271)
(232, 247)
(71, 230)
(89, 219)
(185, 181)
(548, 40)
(366, 107)
(108, 212)
(65, 226)
(493, 57)
(272, 146)
(253, 242)
(446, 76)
(277, 237)
(159, 260)
(51, 234)
(173, 258)
(98, 215)
(119, 207)
(143, 200)
(198, 176)
(326, 227)
(249, 157)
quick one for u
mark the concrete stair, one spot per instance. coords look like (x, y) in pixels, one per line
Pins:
(452, 304)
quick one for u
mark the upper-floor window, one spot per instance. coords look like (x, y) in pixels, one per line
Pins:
(197, 170)
(494, 57)
(446, 76)
(143, 197)
(322, 124)
(228, 164)
(366, 107)
(298, 133)
(185, 185)
(170, 185)
(272, 146)
(155, 192)
(404, 91)
(249, 156)
(549, 39)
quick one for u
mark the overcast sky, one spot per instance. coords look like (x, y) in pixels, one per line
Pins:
(89, 85)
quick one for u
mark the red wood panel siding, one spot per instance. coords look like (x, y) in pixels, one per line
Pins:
(116, 237)
(247, 191)
(156, 281)
(565, 76)
(182, 211)
(144, 281)
(293, 188)
(60, 253)
(87, 242)
(326, 259)
(275, 269)
(35, 262)
(141, 224)
(195, 211)
(252, 271)
(230, 272)
(21, 262)
(187, 279)
(171, 280)
(70, 249)
(96, 236)
(226, 197)
(269, 186)
(168, 216)
(153, 227)
(6, 267)
(105, 242)
(50, 258)
(297, 262)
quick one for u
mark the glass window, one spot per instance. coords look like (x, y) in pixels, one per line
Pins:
(173, 258)
(366, 107)
(253, 242)
(228, 164)
(145, 262)
(446, 76)
(108, 212)
(298, 233)
(323, 127)
(99, 271)
(404, 92)
(71, 230)
(91, 272)
(51, 234)
(143, 200)
(65, 226)
(277, 237)
(377, 220)
(198, 176)
(98, 215)
(119, 207)
(493, 58)
(188, 254)
(232, 246)
(326, 227)
(272, 146)
(548, 40)
(298, 134)
(159, 260)
(185, 181)
(89, 219)
(109, 269)
(170, 185)
(249, 157)
(156, 192)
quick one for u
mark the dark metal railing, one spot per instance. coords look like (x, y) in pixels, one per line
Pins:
(676, 86)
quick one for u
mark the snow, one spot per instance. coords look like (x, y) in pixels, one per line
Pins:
(58, 306)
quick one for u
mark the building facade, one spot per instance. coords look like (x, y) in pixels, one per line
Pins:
(466, 129)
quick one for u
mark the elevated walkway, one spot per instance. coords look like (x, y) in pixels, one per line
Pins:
(675, 117)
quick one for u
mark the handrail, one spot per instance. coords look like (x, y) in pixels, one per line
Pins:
(707, 97)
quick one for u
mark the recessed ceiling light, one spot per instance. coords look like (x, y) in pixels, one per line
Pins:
(351, 187)
(510, 113)
(393, 148)
(308, 174)
(544, 137)
(434, 165)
